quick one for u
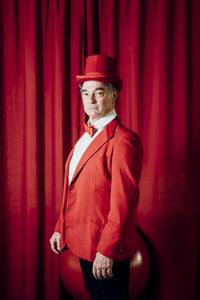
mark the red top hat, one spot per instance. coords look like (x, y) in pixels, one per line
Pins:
(101, 68)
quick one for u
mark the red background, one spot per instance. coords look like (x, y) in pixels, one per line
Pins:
(43, 45)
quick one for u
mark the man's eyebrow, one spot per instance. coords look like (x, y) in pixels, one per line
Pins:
(83, 90)
(100, 88)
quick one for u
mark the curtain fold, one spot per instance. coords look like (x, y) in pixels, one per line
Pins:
(43, 46)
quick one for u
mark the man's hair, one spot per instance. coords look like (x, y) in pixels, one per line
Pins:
(111, 87)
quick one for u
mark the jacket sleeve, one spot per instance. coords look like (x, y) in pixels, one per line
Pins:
(63, 208)
(57, 227)
(126, 170)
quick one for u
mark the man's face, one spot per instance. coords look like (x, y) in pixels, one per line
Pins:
(98, 99)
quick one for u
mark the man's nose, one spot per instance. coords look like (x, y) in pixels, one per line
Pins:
(92, 98)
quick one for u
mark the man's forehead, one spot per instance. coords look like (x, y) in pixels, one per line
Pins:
(93, 84)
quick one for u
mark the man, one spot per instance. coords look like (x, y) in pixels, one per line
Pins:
(101, 191)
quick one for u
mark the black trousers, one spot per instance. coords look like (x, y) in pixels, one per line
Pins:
(115, 288)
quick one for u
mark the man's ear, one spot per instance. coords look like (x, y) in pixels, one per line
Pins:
(115, 95)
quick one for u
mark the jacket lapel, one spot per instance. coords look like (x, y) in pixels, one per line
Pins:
(68, 162)
(97, 143)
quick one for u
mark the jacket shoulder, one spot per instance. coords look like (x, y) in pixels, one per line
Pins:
(122, 132)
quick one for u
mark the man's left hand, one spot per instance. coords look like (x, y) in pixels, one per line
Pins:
(102, 267)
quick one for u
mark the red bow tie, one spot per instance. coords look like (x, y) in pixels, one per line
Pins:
(89, 129)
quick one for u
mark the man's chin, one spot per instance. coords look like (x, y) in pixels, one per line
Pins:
(92, 115)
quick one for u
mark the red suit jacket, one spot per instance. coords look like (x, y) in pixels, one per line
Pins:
(98, 208)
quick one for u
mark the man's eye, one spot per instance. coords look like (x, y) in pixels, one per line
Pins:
(99, 93)
(84, 94)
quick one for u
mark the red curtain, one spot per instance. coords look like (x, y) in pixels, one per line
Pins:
(43, 45)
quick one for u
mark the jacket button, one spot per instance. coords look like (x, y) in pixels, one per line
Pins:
(120, 250)
(71, 189)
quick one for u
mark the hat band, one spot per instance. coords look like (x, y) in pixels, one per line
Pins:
(98, 74)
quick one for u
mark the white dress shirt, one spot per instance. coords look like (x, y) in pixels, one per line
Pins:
(86, 140)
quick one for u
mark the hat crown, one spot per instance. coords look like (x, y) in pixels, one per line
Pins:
(101, 68)
(100, 64)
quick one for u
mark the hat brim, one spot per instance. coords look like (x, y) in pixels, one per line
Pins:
(112, 79)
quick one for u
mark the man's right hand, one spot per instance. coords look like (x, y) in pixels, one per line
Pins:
(55, 242)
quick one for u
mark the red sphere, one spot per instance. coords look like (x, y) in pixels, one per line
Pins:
(72, 278)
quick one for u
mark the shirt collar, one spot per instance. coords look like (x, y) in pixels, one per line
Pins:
(101, 123)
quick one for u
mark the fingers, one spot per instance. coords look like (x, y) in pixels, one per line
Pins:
(55, 242)
(54, 247)
(102, 272)
(96, 272)
(110, 273)
(102, 267)
(107, 273)
(58, 243)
